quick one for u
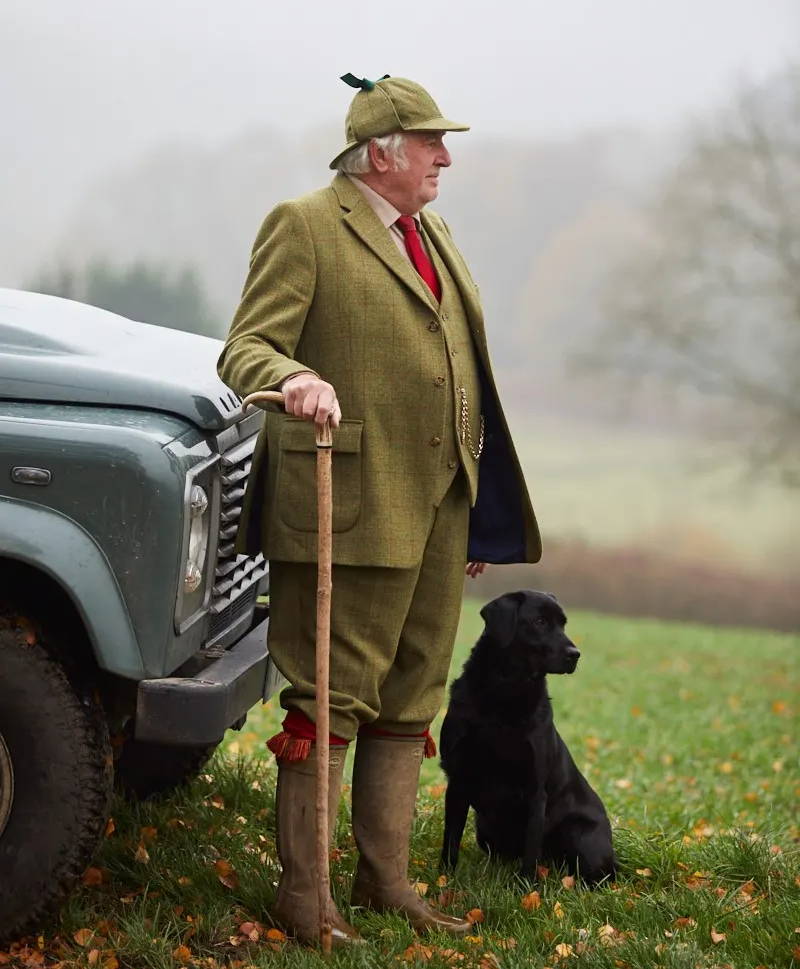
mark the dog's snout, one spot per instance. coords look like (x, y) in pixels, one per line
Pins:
(573, 652)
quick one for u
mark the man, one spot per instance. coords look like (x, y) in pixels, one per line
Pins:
(359, 308)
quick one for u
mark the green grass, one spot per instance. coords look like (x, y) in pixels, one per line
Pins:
(616, 485)
(688, 734)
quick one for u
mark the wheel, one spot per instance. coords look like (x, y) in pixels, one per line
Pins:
(145, 770)
(55, 778)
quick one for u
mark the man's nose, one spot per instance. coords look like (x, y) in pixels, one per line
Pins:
(443, 159)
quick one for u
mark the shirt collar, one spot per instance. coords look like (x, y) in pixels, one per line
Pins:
(382, 207)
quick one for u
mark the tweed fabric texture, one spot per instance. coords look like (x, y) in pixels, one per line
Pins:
(392, 630)
(329, 292)
(393, 104)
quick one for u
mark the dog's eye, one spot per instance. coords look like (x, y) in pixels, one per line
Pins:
(540, 621)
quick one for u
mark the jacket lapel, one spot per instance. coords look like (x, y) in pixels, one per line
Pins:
(451, 257)
(369, 228)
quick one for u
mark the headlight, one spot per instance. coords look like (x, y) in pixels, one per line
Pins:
(198, 539)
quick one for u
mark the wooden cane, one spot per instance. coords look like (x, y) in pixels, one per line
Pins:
(324, 441)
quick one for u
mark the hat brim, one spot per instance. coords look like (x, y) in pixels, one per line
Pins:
(435, 124)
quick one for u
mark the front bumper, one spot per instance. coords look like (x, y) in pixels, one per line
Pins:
(197, 710)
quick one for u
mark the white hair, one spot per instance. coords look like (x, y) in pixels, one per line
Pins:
(356, 161)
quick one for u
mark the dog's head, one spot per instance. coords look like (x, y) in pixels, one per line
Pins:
(529, 628)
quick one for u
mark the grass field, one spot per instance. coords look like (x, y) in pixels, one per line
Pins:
(683, 496)
(688, 733)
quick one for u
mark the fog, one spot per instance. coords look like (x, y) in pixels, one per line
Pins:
(159, 132)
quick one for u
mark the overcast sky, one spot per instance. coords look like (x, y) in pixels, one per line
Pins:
(92, 81)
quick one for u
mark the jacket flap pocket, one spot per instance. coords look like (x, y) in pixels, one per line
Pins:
(300, 435)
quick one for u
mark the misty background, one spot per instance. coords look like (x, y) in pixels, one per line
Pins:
(628, 200)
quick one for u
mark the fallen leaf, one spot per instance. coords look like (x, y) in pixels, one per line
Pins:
(275, 935)
(217, 801)
(82, 936)
(684, 922)
(644, 872)
(509, 943)
(542, 872)
(563, 950)
(558, 910)
(149, 834)
(489, 961)
(111, 962)
(142, 855)
(568, 881)
(531, 901)
(184, 880)
(624, 783)
(182, 953)
(717, 937)
(474, 915)
(92, 876)
(441, 881)
(226, 874)
(421, 888)
(110, 828)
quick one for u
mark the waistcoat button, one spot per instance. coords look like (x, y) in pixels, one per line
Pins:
(435, 441)
(439, 381)
(433, 326)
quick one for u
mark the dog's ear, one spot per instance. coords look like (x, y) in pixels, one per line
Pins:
(500, 616)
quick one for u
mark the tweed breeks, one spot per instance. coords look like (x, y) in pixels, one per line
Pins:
(392, 630)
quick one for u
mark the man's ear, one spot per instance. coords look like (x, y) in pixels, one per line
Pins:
(500, 616)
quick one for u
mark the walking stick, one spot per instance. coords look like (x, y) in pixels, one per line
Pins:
(324, 440)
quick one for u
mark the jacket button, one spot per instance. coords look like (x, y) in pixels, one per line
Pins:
(439, 381)
(453, 352)
(452, 464)
(435, 441)
(433, 326)
(444, 316)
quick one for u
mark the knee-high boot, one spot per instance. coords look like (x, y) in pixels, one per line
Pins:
(296, 906)
(385, 781)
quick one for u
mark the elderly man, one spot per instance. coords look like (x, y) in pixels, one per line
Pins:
(359, 308)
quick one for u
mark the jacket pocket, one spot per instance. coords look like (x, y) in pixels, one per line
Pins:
(296, 484)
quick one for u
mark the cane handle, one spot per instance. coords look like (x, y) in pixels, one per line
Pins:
(324, 435)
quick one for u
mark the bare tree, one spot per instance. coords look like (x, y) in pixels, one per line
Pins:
(711, 299)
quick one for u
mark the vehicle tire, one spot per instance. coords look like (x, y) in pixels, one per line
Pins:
(145, 770)
(55, 777)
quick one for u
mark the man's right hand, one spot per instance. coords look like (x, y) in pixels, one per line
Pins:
(306, 396)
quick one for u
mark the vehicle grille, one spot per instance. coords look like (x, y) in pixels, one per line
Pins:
(236, 577)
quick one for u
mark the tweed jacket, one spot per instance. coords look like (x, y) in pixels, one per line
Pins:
(329, 292)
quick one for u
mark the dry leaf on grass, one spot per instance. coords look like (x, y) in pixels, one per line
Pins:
(475, 915)
(531, 901)
(83, 936)
(568, 881)
(226, 874)
(182, 953)
(717, 937)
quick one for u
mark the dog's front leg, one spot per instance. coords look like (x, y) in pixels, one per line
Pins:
(456, 808)
(534, 834)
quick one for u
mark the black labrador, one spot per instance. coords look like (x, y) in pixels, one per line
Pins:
(502, 753)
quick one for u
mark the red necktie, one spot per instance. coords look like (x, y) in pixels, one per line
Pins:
(415, 249)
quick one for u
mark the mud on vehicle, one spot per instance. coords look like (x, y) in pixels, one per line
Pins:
(131, 636)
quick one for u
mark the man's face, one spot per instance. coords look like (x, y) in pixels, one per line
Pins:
(409, 190)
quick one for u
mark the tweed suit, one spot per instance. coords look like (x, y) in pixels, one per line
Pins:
(329, 292)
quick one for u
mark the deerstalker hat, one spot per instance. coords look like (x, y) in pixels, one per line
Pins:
(389, 105)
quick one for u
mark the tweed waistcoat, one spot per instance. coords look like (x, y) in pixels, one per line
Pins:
(462, 372)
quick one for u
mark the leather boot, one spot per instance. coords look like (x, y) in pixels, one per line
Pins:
(296, 906)
(385, 781)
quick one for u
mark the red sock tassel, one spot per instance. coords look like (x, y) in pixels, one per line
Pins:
(430, 745)
(298, 734)
(287, 747)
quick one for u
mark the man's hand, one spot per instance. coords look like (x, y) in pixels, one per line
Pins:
(306, 396)
(475, 569)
